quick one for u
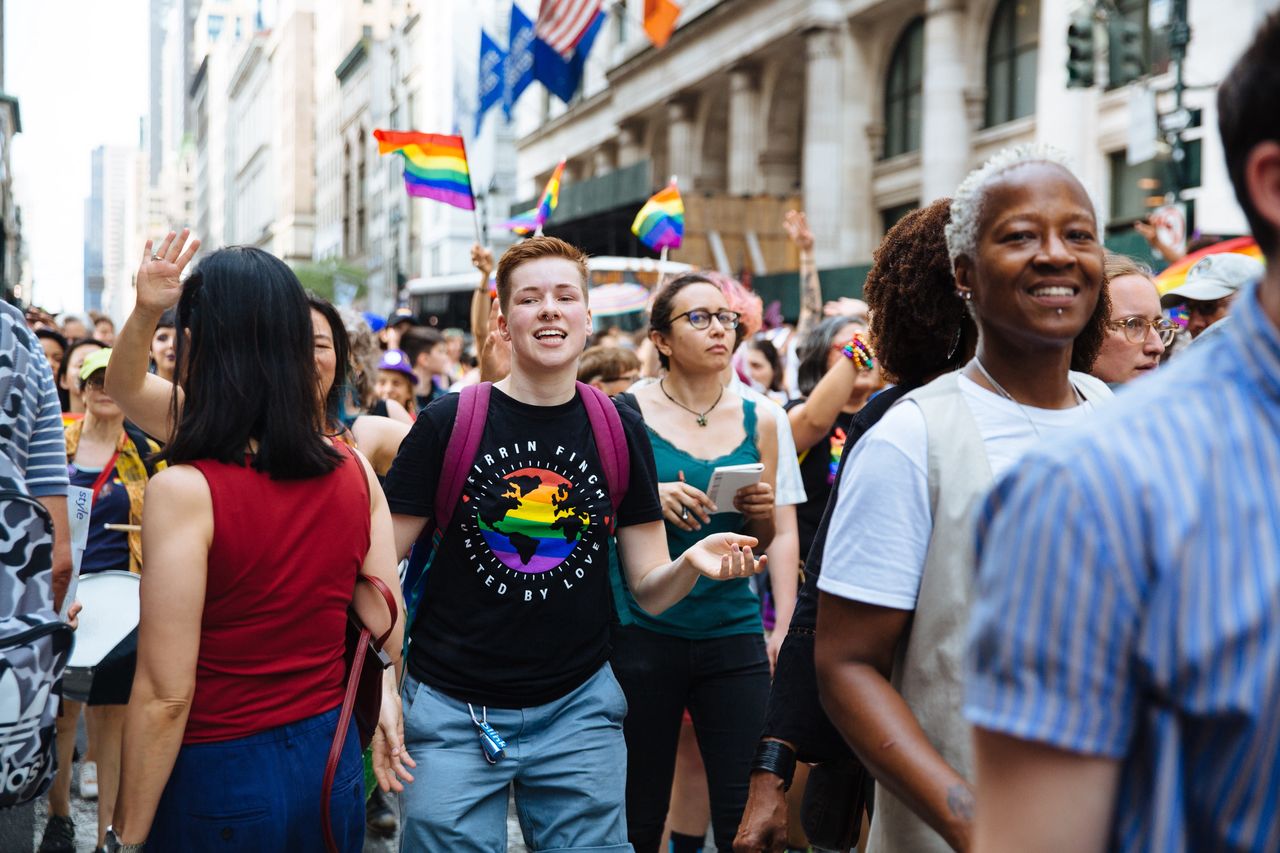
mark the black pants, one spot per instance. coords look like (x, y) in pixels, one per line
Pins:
(724, 682)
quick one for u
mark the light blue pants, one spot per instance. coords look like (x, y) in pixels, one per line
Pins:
(567, 760)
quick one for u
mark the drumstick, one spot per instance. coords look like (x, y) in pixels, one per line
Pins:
(124, 528)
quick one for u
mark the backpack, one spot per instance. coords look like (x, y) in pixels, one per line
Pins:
(34, 643)
(460, 453)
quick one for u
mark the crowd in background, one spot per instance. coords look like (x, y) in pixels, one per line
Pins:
(813, 646)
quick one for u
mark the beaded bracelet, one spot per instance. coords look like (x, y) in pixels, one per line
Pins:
(859, 352)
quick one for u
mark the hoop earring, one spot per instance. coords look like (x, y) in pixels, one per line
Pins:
(955, 343)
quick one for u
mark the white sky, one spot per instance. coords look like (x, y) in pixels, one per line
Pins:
(80, 71)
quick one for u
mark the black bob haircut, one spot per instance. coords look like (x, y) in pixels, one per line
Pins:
(247, 368)
(1249, 114)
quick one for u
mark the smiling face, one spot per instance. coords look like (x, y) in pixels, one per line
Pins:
(394, 385)
(326, 357)
(1037, 271)
(546, 316)
(163, 351)
(1121, 359)
(696, 350)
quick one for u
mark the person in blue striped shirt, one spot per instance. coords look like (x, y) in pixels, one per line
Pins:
(1125, 637)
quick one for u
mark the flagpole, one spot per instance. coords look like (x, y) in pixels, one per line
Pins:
(475, 212)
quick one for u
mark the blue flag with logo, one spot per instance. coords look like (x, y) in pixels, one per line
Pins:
(490, 86)
(517, 71)
(562, 76)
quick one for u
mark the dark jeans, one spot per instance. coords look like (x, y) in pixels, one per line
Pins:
(262, 793)
(724, 682)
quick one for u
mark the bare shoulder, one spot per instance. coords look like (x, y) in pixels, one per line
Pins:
(375, 433)
(180, 484)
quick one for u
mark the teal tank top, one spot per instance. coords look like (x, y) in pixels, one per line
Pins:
(712, 608)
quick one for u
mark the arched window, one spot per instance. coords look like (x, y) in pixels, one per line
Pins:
(903, 92)
(1012, 51)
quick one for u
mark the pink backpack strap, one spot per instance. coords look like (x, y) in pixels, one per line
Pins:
(611, 441)
(460, 453)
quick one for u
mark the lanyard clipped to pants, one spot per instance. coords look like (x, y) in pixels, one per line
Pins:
(494, 747)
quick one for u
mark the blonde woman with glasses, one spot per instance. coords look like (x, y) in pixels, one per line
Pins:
(1137, 332)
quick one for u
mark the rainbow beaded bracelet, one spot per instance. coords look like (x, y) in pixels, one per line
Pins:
(860, 353)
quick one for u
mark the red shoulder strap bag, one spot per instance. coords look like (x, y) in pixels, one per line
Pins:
(366, 662)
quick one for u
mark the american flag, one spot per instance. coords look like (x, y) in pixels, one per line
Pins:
(562, 23)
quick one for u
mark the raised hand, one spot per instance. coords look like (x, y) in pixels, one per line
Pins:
(797, 228)
(482, 259)
(159, 280)
(495, 350)
(725, 556)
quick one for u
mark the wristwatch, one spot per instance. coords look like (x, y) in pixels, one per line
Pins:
(113, 845)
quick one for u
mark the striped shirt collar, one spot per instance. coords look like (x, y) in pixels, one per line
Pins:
(1257, 342)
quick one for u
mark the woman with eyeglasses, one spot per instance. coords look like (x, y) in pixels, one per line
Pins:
(897, 570)
(1137, 332)
(706, 653)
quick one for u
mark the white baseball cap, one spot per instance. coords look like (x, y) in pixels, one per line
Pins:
(1215, 277)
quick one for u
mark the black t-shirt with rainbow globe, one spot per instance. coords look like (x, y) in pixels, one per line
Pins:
(517, 605)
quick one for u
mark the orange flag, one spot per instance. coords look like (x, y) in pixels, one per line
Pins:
(660, 20)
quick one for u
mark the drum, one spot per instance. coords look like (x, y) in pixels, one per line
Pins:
(109, 615)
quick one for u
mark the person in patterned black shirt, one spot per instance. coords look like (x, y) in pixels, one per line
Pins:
(513, 632)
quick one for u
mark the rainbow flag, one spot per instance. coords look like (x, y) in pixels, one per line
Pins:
(531, 220)
(435, 165)
(1175, 274)
(660, 223)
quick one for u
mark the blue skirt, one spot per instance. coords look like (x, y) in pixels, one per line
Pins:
(262, 793)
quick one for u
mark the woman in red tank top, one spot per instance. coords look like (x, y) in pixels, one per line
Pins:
(257, 531)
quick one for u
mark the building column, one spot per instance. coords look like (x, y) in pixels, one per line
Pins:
(630, 145)
(944, 144)
(861, 225)
(745, 133)
(823, 143)
(680, 136)
(604, 159)
(1066, 118)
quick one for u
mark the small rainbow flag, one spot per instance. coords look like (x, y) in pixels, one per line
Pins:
(531, 220)
(660, 223)
(435, 165)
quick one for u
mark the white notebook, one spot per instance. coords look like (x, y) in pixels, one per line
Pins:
(727, 479)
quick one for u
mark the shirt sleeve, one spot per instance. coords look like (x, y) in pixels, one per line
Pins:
(1056, 609)
(790, 481)
(882, 518)
(46, 474)
(411, 483)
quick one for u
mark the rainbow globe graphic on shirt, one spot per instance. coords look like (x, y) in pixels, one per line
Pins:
(535, 524)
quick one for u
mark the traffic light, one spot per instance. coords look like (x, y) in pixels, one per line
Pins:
(1080, 51)
(1128, 58)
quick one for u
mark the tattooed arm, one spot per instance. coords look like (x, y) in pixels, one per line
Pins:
(797, 228)
(853, 653)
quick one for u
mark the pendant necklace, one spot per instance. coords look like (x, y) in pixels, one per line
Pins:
(1003, 393)
(701, 416)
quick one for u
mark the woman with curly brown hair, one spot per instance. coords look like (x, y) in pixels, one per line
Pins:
(1024, 247)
